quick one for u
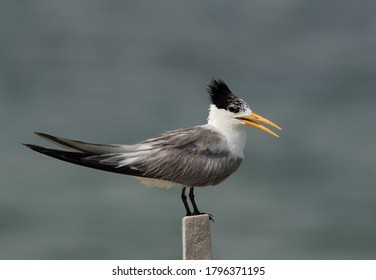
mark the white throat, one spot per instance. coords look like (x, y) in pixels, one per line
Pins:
(233, 130)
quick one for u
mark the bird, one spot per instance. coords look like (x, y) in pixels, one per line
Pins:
(195, 157)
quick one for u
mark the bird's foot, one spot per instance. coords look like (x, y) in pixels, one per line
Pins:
(200, 213)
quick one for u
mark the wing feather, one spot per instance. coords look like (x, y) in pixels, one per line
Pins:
(195, 156)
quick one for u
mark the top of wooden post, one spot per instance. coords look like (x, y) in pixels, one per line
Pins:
(196, 238)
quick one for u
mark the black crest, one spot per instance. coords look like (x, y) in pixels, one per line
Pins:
(222, 97)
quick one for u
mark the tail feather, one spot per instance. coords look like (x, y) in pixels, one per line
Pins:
(86, 159)
(83, 147)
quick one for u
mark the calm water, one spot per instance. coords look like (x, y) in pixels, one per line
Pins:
(120, 71)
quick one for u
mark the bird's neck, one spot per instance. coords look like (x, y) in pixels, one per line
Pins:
(233, 130)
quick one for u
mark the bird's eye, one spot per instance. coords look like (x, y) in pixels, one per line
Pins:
(232, 108)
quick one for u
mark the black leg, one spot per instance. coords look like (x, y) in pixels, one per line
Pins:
(184, 199)
(195, 209)
(192, 198)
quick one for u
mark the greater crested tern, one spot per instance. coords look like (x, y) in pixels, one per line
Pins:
(199, 156)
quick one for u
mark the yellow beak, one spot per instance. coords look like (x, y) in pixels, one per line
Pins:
(252, 120)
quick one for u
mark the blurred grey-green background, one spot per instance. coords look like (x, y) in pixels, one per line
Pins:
(113, 71)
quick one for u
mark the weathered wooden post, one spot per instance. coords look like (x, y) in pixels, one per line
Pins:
(196, 238)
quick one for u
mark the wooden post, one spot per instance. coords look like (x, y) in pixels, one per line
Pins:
(196, 238)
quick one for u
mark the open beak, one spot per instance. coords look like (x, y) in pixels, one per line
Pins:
(253, 119)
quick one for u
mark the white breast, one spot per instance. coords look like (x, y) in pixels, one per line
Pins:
(148, 182)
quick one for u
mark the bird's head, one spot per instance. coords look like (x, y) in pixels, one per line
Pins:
(228, 109)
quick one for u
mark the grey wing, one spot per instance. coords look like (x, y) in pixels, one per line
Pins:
(192, 157)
